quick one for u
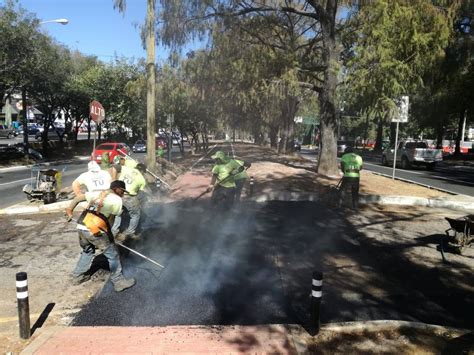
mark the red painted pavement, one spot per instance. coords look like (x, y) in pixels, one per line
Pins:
(261, 339)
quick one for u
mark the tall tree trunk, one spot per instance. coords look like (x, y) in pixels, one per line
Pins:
(327, 163)
(379, 138)
(459, 137)
(150, 86)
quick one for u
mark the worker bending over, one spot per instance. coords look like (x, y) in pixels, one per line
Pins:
(351, 165)
(132, 174)
(95, 233)
(95, 179)
(222, 182)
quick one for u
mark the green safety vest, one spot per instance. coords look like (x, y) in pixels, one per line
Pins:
(352, 164)
(238, 164)
(133, 179)
(223, 171)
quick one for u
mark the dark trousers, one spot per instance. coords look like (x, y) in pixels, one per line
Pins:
(352, 184)
(223, 196)
(239, 185)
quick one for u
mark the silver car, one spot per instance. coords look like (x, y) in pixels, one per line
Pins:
(6, 132)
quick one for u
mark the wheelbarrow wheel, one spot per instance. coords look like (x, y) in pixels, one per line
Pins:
(49, 197)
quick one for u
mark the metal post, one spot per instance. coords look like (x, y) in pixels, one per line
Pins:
(23, 305)
(316, 296)
(395, 152)
(251, 186)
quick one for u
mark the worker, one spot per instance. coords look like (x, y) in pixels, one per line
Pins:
(135, 183)
(122, 161)
(240, 176)
(105, 161)
(222, 182)
(351, 165)
(95, 233)
(94, 179)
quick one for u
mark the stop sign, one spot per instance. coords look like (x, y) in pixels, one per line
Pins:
(97, 112)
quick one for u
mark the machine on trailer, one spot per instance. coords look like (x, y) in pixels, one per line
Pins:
(45, 185)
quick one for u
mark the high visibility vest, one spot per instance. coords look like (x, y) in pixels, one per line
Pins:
(352, 164)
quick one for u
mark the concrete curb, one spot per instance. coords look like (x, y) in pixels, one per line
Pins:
(467, 206)
(47, 163)
(50, 208)
(372, 199)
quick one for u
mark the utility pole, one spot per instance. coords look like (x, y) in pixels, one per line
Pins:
(150, 86)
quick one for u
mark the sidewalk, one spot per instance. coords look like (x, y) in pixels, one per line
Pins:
(252, 339)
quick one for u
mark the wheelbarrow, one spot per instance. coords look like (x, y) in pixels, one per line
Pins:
(459, 235)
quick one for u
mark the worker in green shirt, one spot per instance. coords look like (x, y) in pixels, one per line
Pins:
(135, 182)
(240, 176)
(222, 182)
(351, 165)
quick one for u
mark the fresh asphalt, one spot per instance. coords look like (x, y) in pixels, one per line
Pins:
(458, 180)
(254, 264)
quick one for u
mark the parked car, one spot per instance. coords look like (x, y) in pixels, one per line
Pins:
(6, 132)
(413, 153)
(53, 134)
(113, 149)
(341, 147)
(139, 146)
(33, 128)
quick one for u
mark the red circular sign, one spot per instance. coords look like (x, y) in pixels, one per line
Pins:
(97, 112)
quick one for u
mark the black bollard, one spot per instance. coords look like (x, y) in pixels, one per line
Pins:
(251, 186)
(316, 296)
(23, 305)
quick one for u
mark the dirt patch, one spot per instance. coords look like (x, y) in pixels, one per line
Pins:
(400, 340)
(45, 247)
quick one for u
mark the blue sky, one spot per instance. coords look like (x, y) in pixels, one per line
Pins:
(94, 26)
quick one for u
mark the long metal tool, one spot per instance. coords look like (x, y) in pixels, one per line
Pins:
(129, 249)
(141, 255)
(151, 173)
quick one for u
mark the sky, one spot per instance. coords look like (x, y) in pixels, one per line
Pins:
(94, 26)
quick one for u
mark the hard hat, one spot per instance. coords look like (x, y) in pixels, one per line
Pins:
(220, 155)
(93, 167)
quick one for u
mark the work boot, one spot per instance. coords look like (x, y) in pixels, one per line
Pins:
(77, 280)
(123, 283)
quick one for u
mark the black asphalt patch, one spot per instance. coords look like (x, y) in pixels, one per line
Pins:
(253, 265)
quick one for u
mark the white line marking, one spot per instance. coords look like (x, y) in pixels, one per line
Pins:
(317, 294)
(317, 282)
(233, 151)
(201, 158)
(14, 182)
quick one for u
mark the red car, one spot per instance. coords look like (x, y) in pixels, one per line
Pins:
(113, 149)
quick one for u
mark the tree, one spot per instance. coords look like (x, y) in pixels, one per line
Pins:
(394, 45)
(151, 81)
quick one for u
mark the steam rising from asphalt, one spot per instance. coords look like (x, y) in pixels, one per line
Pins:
(201, 248)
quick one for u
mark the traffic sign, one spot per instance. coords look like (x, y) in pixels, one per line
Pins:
(401, 113)
(96, 111)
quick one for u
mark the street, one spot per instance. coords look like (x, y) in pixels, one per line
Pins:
(12, 181)
(458, 180)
